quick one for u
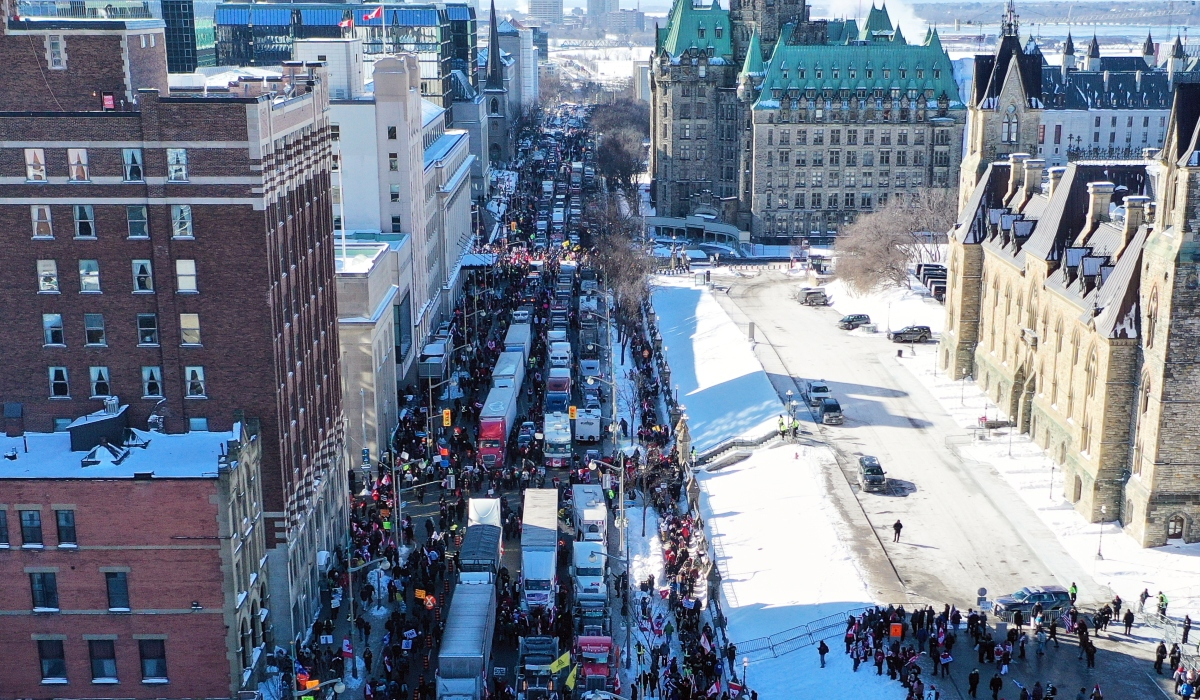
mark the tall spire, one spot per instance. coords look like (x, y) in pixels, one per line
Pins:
(495, 71)
(1069, 47)
(1148, 46)
(1094, 47)
(1009, 24)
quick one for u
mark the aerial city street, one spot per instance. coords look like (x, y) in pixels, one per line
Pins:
(434, 351)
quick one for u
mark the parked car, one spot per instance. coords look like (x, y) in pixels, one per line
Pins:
(525, 436)
(523, 314)
(817, 391)
(849, 323)
(871, 476)
(911, 334)
(1054, 600)
(831, 412)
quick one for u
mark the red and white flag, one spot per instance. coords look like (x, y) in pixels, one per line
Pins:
(715, 689)
(704, 642)
(374, 14)
(734, 688)
(346, 23)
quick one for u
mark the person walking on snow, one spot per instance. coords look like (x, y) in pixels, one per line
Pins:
(822, 650)
(897, 527)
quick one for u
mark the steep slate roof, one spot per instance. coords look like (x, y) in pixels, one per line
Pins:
(878, 24)
(841, 31)
(990, 72)
(795, 67)
(684, 25)
(753, 65)
(1066, 212)
(495, 73)
(1086, 89)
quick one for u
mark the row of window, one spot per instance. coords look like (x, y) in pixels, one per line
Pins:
(89, 277)
(820, 178)
(817, 200)
(100, 384)
(852, 137)
(834, 159)
(43, 585)
(79, 170)
(102, 654)
(31, 528)
(137, 218)
(94, 333)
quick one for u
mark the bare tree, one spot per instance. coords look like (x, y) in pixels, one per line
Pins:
(877, 249)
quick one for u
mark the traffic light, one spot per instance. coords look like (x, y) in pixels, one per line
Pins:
(446, 422)
(573, 412)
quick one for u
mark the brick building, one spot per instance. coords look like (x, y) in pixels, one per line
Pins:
(165, 600)
(1071, 303)
(175, 250)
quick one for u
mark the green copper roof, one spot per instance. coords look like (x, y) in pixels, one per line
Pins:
(898, 37)
(931, 39)
(842, 31)
(701, 26)
(754, 61)
(874, 66)
(878, 20)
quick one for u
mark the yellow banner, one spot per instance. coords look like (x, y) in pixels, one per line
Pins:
(561, 662)
(571, 678)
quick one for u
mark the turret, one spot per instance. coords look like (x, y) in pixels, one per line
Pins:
(1148, 50)
(750, 77)
(1093, 55)
(1176, 61)
(1068, 63)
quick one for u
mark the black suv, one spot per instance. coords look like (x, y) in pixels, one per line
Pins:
(849, 323)
(1054, 600)
(871, 476)
(911, 334)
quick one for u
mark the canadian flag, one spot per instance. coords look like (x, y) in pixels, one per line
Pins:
(346, 23)
(715, 689)
(374, 14)
(734, 688)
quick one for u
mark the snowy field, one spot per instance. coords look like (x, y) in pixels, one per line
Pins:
(890, 308)
(782, 564)
(1125, 567)
(720, 382)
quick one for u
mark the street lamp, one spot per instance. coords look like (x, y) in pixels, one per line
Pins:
(1100, 544)
(745, 671)
(338, 688)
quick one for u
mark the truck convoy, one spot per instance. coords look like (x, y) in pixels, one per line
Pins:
(479, 555)
(519, 339)
(464, 660)
(589, 513)
(539, 549)
(496, 421)
(534, 679)
(509, 371)
(557, 449)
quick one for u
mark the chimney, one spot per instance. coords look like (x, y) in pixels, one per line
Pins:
(1135, 216)
(1100, 194)
(1106, 82)
(1138, 80)
(1056, 174)
(1017, 160)
(1034, 168)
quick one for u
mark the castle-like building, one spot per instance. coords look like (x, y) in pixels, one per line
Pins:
(787, 126)
(1072, 301)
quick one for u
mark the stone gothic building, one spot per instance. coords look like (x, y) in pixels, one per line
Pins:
(1072, 301)
(1091, 106)
(787, 126)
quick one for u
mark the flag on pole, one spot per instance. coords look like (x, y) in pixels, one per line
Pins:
(346, 23)
(715, 689)
(735, 688)
(561, 662)
(571, 678)
(704, 642)
(374, 14)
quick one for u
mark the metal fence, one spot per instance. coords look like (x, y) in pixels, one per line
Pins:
(798, 637)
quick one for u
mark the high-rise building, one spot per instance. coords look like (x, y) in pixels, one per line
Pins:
(151, 217)
(788, 127)
(191, 36)
(546, 11)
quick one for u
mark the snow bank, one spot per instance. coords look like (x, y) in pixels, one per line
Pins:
(782, 564)
(721, 383)
(1126, 567)
(890, 308)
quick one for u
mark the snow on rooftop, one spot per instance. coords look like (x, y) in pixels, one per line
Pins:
(357, 258)
(722, 384)
(49, 456)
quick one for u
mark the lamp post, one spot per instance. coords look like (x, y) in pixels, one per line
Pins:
(1100, 543)
(338, 688)
(745, 671)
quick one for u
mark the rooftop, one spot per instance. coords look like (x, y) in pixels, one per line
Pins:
(357, 257)
(441, 148)
(191, 455)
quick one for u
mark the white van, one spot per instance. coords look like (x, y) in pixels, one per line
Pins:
(587, 569)
(560, 354)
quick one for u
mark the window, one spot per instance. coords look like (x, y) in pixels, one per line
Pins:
(395, 193)
(44, 586)
(337, 163)
(131, 159)
(189, 328)
(85, 221)
(54, 661)
(185, 276)
(391, 133)
(195, 382)
(77, 164)
(89, 276)
(335, 132)
(154, 659)
(394, 162)
(3, 528)
(40, 215)
(56, 52)
(100, 386)
(47, 276)
(35, 165)
(177, 165)
(103, 654)
(58, 383)
(66, 518)
(139, 221)
(118, 590)
(181, 221)
(143, 279)
(198, 424)
(31, 527)
(52, 329)
(93, 329)
(147, 329)
(397, 224)
(151, 382)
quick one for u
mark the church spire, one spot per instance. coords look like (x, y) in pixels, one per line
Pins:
(1148, 45)
(1009, 24)
(495, 71)
(1069, 47)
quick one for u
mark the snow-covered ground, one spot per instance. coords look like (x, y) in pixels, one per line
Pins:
(891, 308)
(1125, 567)
(720, 382)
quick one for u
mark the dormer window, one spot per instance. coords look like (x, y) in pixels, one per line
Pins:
(835, 73)
(819, 73)
(718, 30)
(903, 73)
(700, 32)
(801, 73)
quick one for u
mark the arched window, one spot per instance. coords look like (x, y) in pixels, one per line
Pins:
(246, 646)
(1175, 527)
(1075, 347)
(1144, 404)
(1058, 335)
(1078, 494)
(495, 106)
(1151, 317)
(1007, 299)
(1090, 371)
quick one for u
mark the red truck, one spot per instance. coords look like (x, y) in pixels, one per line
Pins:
(495, 423)
(601, 661)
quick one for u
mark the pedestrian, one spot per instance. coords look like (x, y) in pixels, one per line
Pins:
(1187, 628)
(1142, 599)
(822, 650)
(1160, 655)
(897, 527)
(1128, 620)
(973, 683)
(1073, 591)
(995, 685)
(1162, 603)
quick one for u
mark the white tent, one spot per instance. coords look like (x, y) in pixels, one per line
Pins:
(484, 511)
